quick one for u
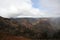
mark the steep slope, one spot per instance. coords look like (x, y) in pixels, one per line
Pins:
(28, 28)
(11, 29)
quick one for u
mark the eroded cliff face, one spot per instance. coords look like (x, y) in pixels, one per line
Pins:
(29, 28)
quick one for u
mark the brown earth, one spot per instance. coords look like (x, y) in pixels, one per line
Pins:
(6, 36)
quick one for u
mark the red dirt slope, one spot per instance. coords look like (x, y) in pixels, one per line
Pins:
(6, 36)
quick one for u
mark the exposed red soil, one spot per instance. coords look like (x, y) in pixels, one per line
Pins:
(5, 36)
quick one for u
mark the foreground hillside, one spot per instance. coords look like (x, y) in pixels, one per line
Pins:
(22, 29)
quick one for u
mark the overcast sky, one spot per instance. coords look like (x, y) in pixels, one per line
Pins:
(29, 8)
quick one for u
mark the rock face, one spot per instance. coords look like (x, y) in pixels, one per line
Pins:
(30, 28)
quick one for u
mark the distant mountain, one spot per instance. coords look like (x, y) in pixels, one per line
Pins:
(30, 20)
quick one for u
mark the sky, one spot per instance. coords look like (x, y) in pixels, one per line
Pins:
(29, 8)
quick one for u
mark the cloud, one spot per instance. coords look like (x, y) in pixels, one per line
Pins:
(52, 6)
(18, 8)
(11, 8)
(24, 8)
